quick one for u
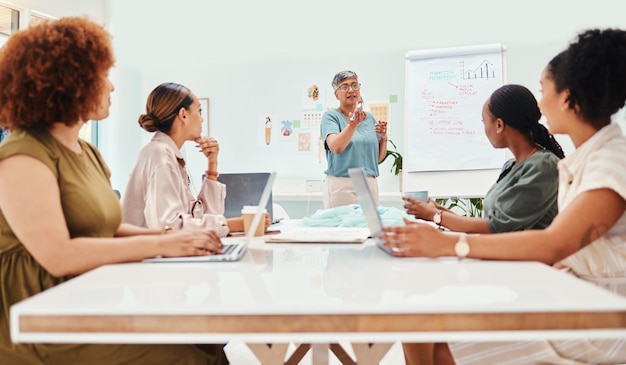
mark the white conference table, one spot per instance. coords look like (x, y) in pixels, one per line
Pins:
(320, 295)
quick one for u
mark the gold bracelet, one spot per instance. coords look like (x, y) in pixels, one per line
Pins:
(166, 229)
(212, 173)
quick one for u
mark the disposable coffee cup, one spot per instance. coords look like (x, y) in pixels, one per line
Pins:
(247, 213)
(417, 195)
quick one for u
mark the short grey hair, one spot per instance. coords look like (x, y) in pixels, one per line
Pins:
(342, 75)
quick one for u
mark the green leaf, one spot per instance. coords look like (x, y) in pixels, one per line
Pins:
(470, 207)
(396, 166)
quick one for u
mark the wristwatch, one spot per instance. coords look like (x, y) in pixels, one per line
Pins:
(462, 247)
(437, 218)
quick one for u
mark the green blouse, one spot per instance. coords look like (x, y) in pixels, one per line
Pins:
(526, 196)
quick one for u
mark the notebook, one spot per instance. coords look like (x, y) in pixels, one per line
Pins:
(368, 205)
(320, 235)
(234, 247)
(244, 189)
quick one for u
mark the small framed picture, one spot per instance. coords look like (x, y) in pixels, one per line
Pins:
(204, 111)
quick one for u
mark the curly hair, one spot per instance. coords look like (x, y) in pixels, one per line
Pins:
(163, 105)
(55, 71)
(593, 68)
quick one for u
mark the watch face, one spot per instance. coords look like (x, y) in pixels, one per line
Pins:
(437, 217)
(462, 249)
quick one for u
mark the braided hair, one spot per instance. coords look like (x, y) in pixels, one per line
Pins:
(517, 107)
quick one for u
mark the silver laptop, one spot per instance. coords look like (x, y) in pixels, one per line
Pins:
(234, 247)
(368, 205)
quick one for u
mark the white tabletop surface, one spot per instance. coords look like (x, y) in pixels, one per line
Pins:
(316, 283)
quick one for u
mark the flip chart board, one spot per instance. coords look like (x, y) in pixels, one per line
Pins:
(445, 92)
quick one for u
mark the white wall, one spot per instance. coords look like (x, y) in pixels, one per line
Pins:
(250, 58)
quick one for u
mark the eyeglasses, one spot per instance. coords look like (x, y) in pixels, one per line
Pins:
(353, 86)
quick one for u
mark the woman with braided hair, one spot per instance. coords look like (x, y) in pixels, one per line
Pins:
(525, 194)
(583, 86)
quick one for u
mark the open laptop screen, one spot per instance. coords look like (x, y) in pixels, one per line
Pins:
(243, 189)
(234, 248)
(366, 199)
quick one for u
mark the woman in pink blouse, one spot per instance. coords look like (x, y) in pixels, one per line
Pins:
(158, 191)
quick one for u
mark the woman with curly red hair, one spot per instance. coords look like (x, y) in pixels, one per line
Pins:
(60, 216)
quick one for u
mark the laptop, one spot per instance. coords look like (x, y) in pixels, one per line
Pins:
(244, 189)
(234, 247)
(368, 205)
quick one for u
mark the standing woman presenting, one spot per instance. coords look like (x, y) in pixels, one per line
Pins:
(352, 138)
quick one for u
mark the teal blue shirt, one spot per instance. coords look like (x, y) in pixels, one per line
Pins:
(526, 197)
(362, 151)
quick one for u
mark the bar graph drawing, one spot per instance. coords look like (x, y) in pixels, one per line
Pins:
(484, 71)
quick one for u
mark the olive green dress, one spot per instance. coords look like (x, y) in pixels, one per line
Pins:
(91, 209)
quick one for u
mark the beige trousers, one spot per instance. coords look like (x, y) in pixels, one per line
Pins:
(338, 191)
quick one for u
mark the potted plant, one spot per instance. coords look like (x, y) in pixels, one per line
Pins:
(469, 207)
(396, 167)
